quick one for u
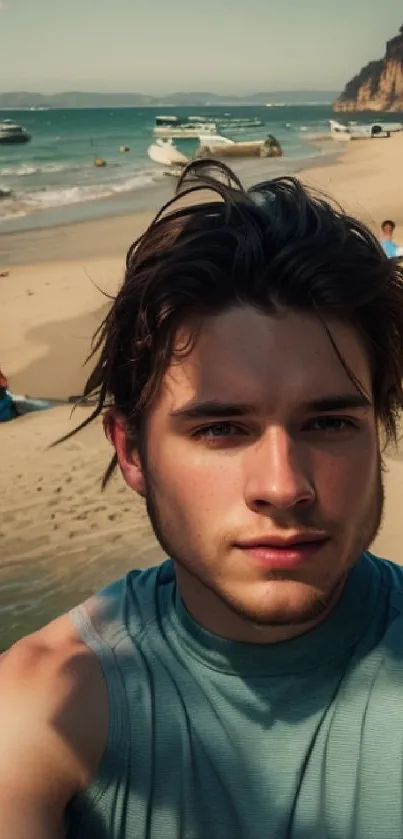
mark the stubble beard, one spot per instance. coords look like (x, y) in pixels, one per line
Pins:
(316, 604)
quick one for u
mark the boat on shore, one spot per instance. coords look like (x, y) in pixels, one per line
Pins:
(165, 152)
(221, 147)
(354, 131)
(11, 133)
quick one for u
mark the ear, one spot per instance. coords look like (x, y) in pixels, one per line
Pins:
(115, 429)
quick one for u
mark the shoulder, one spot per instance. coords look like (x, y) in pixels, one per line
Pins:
(125, 607)
(391, 573)
(55, 702)
(389, 576)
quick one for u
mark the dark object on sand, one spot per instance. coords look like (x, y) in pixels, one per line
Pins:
(271, 147)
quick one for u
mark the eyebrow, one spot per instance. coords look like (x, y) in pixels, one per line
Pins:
(215, 409)
(339, 402)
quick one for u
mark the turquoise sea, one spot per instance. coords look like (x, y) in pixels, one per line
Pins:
(53, 178)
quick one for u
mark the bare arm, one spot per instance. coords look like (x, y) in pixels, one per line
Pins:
(53, 725)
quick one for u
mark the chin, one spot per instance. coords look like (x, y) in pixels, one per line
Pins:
(283, 603)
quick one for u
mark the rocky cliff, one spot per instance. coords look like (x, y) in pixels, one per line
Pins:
(379, 85)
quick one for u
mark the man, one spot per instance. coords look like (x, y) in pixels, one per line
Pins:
(248, 372)
(390, 247)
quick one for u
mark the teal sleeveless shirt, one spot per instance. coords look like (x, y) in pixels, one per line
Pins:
(212, 739)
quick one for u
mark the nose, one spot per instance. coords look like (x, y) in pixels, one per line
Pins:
(278, 473)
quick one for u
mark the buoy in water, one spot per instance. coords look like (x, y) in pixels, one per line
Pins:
(99, 161)
(124, 148)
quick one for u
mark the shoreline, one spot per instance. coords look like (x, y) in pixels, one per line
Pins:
(76, 239)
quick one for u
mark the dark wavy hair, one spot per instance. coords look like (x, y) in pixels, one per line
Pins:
(216, 245)
(388, 223)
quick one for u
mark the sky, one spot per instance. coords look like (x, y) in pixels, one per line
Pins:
(161, 46)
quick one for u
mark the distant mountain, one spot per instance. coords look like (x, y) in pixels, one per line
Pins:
(379, 85)
(77, 99)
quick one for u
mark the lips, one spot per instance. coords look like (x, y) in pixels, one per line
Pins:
(283, 552)
(284, 542)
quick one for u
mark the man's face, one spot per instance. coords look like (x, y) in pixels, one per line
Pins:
(387, 231)
(262, 469)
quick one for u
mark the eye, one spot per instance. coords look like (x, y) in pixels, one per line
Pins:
(331, 424)
(218, 431)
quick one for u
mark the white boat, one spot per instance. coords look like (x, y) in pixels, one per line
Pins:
(240, 123)
(354, 131)
(213, 141)
(340, 132)
(166, 153)
(198, 119)
(218, 146)
(177, 128)
(376, 127)
(12, 133)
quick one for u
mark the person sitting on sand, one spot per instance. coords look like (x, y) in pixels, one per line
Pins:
(12, 406)
(248, 374)
(392, 250)
(7, 407)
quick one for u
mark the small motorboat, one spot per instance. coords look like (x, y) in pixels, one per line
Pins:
(177, 128)
(11, 133)
(166, 153)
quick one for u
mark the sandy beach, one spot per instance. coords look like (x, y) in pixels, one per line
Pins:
(60, 537)
(365, 181)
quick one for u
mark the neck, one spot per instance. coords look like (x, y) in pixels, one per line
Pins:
(213, 614)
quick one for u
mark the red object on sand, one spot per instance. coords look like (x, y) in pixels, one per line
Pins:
(3, 380)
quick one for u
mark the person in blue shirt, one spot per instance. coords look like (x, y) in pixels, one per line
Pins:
(389, 246)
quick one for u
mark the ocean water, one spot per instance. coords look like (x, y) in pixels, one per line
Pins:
(53, 178)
